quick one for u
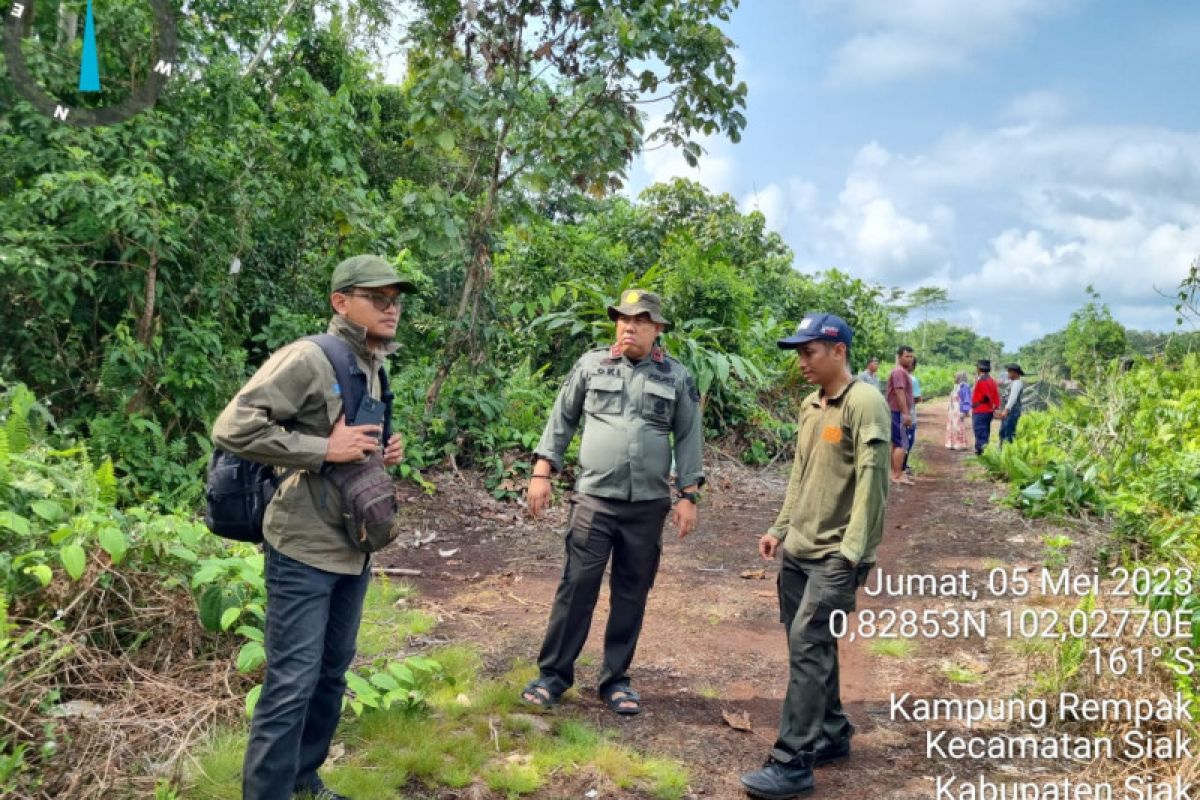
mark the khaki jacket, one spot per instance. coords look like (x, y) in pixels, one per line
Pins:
(283, 417)
(637, 418)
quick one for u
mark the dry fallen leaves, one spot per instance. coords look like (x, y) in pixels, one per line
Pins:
(738, 720)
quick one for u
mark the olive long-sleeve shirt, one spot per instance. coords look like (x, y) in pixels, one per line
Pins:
(283, 417)
(630, 411)
(837, 492)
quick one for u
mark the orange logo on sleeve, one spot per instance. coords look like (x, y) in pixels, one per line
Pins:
(831, 434)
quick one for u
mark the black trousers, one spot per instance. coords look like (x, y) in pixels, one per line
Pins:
(312, 625)
(809, 592)
(599, 528)
(982, 425)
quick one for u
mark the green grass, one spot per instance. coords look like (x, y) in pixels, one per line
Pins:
(474, 731)
(218, 774)
(709, 692)
(385, 627)
(957, 673)
(892, 648)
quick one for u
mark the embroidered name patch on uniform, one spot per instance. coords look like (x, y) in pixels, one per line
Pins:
(831, 434)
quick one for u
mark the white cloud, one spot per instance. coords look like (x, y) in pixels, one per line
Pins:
(1037, 106)
(782, 204)
(883, 242)
(897, 39)
(714, 171)
(1015, 221)
(883, 57)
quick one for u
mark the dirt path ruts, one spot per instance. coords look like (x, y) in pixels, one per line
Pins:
(712, 641)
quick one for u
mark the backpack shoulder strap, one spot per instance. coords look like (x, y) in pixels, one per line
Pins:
(385, 392)
(351, 380)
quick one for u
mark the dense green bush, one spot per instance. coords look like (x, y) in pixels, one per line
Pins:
(88, 580)
(1129, 448)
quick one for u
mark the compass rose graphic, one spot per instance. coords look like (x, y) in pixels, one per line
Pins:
(116, 69)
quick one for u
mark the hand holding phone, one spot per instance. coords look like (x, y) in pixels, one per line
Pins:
(370, 412)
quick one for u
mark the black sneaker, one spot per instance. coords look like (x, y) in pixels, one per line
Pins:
(778, 781)
(318, 792)
(829, 752)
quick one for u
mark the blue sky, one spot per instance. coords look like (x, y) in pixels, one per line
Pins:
(1011, 151)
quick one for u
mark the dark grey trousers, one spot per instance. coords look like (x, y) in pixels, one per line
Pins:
(631, 533)
(312, 625)
(809, 592)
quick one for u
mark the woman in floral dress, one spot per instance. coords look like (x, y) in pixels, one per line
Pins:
(957, 412)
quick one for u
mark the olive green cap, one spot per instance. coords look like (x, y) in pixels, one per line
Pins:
(368, 272)
(638, 301)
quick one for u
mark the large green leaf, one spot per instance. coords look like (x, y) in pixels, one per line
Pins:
(74, 560)
(250, 657)
(230, 616)
(362, 689)
(113, 542)
(211, 606)
(48, 510)
(251, 633)
(41, 572)
(14, 522)
(252, 699)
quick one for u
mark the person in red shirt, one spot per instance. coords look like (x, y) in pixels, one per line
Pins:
(985, 401)
(900, 401)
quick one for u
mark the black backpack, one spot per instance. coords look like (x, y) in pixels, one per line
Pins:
(238, 490)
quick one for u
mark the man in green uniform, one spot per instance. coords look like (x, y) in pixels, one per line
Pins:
(830, 526)
(290, 415)
(632, 398)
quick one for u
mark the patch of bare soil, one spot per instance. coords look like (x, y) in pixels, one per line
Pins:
(712, 642)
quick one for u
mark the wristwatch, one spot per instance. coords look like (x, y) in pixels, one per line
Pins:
(694, 497)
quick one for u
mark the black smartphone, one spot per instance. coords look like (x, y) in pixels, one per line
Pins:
(370, 412)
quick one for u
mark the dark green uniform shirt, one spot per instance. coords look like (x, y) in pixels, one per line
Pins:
(283, 416)
(629, 411)
(837, 492)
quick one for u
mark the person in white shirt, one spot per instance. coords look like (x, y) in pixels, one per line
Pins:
(1011, 412)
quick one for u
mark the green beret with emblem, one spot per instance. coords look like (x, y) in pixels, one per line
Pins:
(638, 301)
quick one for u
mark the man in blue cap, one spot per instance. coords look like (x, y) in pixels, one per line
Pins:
(829, 527)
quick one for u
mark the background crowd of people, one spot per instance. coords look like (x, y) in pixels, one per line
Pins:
(977, 404)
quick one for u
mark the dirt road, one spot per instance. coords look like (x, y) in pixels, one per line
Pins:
(712, 642)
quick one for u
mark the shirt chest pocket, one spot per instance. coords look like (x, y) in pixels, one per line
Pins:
(658, 402)
(605, 395)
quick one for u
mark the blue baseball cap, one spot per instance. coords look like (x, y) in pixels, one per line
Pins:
(818, 327)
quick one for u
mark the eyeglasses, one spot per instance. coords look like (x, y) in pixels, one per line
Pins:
(382, 302)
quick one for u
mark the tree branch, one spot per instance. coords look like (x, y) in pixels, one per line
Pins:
(270, 40)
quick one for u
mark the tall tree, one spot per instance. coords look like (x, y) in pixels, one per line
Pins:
(1093, 338)
(544, 97)
(924, 299)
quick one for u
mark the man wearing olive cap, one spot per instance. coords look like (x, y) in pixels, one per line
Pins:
(828, 529)
(290, 415)
(632, 398)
